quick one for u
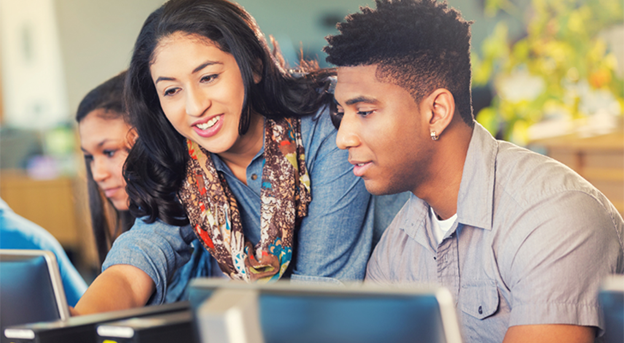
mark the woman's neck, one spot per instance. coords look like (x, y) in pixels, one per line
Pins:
(246, 148)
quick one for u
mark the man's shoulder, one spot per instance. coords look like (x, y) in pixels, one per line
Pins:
(533, 191)
(530, 178)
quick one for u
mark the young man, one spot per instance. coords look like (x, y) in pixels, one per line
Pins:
(520, 240)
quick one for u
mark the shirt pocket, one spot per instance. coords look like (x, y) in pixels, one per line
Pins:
(479, 298)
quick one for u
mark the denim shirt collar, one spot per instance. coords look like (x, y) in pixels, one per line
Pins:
(476, 191)
(222, 167)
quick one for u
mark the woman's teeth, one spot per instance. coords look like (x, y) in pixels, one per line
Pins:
(208, 124)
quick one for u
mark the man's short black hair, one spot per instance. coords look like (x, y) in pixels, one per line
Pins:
(420, 45)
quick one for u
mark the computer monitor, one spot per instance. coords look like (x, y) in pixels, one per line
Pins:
(31, 289)
(611, 298)
(288, 312)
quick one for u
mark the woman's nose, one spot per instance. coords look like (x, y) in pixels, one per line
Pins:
(99, 171)
(196, 102)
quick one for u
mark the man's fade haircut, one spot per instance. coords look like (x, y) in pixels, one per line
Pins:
(419, 45)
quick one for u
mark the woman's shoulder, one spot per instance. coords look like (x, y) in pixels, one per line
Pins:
(142, 229)
(317, 131)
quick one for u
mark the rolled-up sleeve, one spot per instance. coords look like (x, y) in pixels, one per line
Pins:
(158, 249)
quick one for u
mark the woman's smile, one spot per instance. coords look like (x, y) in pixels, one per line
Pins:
(208, 127)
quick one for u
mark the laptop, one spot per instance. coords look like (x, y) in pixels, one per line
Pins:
(31, 289)
(83, 329)
(289, 312)
(161, 328)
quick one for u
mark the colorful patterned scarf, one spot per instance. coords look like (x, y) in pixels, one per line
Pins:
(285, 195)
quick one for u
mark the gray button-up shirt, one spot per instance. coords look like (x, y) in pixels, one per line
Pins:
(531, 243)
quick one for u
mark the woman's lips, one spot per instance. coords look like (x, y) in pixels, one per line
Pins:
(110, 192)
(210, 127)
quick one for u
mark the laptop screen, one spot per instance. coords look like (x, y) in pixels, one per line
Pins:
(30, 288)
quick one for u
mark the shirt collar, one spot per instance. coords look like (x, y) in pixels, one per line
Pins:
(476, 191)
(417, 224)
(222, 167)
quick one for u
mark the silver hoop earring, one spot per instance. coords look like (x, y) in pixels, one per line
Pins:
(433, 136)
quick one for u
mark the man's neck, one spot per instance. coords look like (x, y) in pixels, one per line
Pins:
(445, 172)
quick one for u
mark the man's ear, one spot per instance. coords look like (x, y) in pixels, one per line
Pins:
(441, 107)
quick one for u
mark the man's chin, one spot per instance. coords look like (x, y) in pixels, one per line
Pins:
(377, 188)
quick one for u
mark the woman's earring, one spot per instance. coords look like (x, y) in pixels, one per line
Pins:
(433, 136)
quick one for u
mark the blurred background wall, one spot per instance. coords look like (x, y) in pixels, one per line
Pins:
(52, 52)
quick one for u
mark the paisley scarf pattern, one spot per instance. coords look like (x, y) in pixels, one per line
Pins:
(285, 194)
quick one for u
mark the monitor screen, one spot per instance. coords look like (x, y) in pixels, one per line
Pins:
(612, 301)
(287, 312)
(309, 317)
(30, 288)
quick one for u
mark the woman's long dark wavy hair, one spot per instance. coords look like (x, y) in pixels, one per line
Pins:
(156, 165)
(106, 221)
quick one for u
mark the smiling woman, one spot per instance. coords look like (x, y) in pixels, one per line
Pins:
(234, 151)
(201, 92)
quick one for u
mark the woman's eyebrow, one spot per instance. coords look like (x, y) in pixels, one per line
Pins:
(204, 65)
(198, 68)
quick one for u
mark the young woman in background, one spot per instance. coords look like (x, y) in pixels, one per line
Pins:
(105, 140)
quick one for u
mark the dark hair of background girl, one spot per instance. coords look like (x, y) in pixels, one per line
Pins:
(105, 218)
(156, 165)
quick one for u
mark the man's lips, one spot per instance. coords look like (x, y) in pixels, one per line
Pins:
(359, 167)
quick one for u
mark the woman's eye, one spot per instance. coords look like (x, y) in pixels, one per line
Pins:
(109, 153)
(208, 78)
(88, 158)
(170, 91)
(364, 113)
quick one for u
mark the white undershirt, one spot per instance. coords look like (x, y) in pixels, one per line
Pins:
(440, 227)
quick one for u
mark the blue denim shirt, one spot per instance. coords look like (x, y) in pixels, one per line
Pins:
(334, 240)
(17, 232)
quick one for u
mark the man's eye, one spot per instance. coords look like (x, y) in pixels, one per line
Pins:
(364, 113)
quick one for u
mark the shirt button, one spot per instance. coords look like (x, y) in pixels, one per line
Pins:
(435, 258)
(480, 310)
(254, 176)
